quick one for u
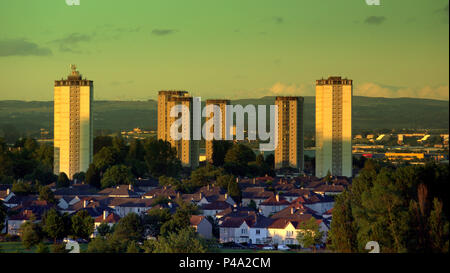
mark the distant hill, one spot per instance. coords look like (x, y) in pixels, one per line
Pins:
(23, 117)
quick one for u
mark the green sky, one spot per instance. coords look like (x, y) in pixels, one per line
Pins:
(224, 48)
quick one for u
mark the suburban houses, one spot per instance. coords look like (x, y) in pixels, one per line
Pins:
(270, 211)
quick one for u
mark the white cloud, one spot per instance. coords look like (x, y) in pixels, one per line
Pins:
(370, 89)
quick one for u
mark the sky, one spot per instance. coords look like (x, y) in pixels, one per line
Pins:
(225, 48)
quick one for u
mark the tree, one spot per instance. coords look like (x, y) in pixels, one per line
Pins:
(30, 234)
(100, 142)
(117, 175)
(129, 228)
(220, 149)
(252, 205)
(22, 188)
(99, 245)
(186, 240)
(53, 225)
(105, 158)
(59, 248)
(46, 194)
(82, 225)
(3, 215)
(438, 228)
(132, 247)
(103, 229)
(79, 177)
(42, 248)
(343, 233)
(240, 154)
(180, 219)
(154, 219)
(161, 158)
(309, 234)
(93, 176)
(63, 181)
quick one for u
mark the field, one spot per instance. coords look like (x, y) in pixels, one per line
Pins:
(17, 247)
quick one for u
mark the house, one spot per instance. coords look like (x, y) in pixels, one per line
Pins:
(332, 189)
(146, 184)
(257, 194)
(76, 190)
(122, 205)
(125, 191)
(109, 218)
(235, 229)
(284, 231)
(211, 209)
(162, 191)
(259, 231)
(202, 226)
(273, 205)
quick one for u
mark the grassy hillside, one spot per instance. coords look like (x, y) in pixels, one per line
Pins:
(22, 117)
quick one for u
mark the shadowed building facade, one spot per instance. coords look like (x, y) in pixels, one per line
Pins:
(334, 126)
(187, 149)
(222, 104)
(73, 124)
(289, 150)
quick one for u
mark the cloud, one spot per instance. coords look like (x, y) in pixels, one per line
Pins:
(71, 42)
(21, 47)
(284, 89)
(163, 32)
(375, 20)
(427, 92)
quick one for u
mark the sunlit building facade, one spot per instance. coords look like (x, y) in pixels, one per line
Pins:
(289, 151)
(334, 127)
(73, 124)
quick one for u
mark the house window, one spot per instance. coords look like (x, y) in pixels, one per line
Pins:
(244, 231)
(289, 233)
(258, 231)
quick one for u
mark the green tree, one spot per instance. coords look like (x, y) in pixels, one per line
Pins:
(133, 247)
(53, 225)
(438, 228)
(42, 248)
(343, 233)
(186, 240)
(3, 214)
(129, 228)
(100, 142)
(99, 245)
(117, 175)
(30, 234)
(310, 233)
(161, 158)
(220, 149)
(63, 181)
(106, 158)
(46, 194)
(80, 177)
(93, 177)
(82, 225)
(103, 229)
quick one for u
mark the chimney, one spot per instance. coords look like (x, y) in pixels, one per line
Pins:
(254, 180)
(226, 196)
(8, 191)
(105, 214)
(237, 179)
(85, 202)
(169, 204)
(207, 187)
(277, 197)
(292, 210)
(129, 187)
(201, 195)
